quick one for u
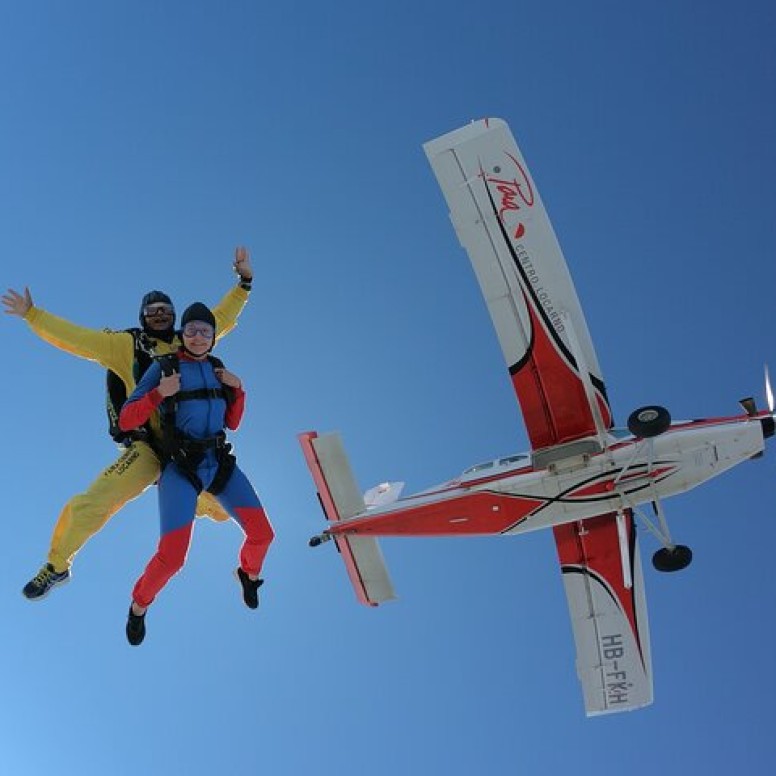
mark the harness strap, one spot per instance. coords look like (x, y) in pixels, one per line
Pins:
(190, 452)
(191, 445)
(116, 391)
(226, 465)
(187, 452)
(201, 393)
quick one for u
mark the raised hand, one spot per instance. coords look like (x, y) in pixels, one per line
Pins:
(242, 263)
(16, 304)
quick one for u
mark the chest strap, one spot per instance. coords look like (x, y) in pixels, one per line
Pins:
(201, 393)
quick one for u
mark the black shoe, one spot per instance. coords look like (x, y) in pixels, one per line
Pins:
(44, 582)
(135, 627)
(250, 588)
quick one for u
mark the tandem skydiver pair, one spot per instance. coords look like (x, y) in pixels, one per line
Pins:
(177, 401)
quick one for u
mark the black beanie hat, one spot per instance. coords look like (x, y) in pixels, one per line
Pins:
(198, 312)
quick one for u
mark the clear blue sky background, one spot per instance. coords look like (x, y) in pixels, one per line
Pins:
(140, 142)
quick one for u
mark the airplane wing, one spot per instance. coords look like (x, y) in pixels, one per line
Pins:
(501, 222)
(605, 590)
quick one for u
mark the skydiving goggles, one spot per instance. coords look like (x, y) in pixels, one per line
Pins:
(160, 308)
(198, 328)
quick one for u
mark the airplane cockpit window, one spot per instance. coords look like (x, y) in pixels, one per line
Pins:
(619, 433)
(479, 467)
(512, 459)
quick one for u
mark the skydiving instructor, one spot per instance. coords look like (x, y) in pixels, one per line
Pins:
(126, 354)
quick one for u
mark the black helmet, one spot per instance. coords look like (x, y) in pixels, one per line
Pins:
(198, 312)
(155, 297)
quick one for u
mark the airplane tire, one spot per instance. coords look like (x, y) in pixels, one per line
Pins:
(647, 422)
(674, 559)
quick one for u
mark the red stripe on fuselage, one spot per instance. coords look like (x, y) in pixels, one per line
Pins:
(474, 513)
(607, 486)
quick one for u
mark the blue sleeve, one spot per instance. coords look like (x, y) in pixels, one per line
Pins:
(148, 382)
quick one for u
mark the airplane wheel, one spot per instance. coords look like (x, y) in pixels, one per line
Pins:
(647, 422)
(674, 559)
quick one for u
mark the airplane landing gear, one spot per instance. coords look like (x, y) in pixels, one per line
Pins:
(647, 422)
(673, 558)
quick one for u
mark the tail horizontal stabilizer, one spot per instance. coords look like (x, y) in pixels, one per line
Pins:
(341, 500)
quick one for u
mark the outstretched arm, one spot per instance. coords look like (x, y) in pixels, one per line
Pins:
(229, 308)
(113, 349)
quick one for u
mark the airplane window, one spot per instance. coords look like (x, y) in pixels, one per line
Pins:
(479, 467)
(620, 433)
(512, 459)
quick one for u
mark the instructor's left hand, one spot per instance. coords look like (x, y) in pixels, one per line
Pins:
(242, 263)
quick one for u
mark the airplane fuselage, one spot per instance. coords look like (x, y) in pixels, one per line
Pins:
(515, 498)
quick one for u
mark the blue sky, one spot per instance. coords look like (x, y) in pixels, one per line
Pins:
(141, 142)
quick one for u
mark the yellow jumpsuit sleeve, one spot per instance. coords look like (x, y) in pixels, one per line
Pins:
(228, 310)
(114, 350)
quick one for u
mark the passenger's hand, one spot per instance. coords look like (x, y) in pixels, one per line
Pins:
(16, 304)
(227, 378)
(170, 384)
(242, 263)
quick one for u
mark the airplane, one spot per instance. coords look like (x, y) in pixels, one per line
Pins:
(584, 478)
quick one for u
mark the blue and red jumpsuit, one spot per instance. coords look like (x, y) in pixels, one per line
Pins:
(200, 419)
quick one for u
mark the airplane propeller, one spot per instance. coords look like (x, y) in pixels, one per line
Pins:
(750, 406)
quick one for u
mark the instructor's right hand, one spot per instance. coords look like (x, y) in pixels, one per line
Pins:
(16, 304)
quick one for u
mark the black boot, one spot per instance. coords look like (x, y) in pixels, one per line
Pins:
(250, 588)
(135, 627)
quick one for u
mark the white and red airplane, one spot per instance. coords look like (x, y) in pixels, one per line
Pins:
(583, 478)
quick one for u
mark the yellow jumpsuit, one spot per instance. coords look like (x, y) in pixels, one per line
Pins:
(137, 467)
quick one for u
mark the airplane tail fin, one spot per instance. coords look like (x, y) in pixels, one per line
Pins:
(341, 499)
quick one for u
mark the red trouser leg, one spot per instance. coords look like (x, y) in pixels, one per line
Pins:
(258, 537)
(168, 561)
